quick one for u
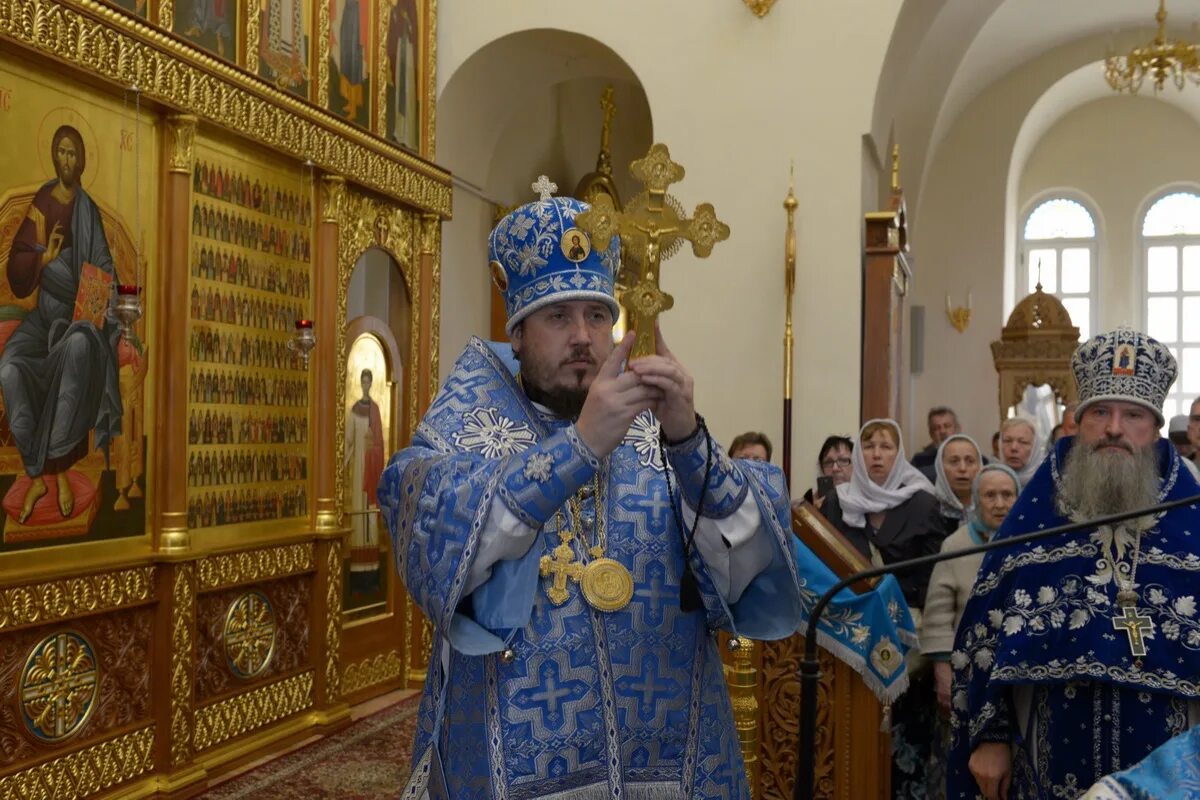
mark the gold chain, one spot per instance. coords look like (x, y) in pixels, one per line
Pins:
(575, 504)
(597, 550)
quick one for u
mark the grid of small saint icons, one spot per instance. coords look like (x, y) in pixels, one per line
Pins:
(215, 386)
(226, 266)
(229, 427)
(235, 308)
(231, 186)
(264, 247)
(266, 237)
(245, 350)
(236, 467)
(230, 506)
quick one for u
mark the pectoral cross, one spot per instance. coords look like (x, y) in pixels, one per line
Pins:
(652, 226)
(562, 566)
(1136, 627)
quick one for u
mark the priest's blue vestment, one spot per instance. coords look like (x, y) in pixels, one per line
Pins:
(1039, 662)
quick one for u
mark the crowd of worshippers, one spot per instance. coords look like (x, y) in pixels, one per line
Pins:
(950, 496)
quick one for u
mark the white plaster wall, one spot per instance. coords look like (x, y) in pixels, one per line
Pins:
(735, 97)
(967, 235)
(1118, 151)
(466, 287)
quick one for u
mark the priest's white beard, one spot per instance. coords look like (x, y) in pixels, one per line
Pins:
(1100, 483)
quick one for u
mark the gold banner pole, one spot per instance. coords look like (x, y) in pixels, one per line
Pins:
(789, 342)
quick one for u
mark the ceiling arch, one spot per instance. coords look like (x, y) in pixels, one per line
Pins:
(945, 54)
(476, 104)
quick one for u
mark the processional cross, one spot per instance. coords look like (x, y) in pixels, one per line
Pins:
(653, 227)
(1135, 626)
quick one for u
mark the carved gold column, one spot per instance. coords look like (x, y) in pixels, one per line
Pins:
(323, 24)
(175, 626)
(170, 342)
(175, 638)
(429, 309)
(325, 613)
(427, 305)
(324, 355)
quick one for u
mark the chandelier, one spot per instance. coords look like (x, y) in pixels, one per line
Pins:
(1160, 61)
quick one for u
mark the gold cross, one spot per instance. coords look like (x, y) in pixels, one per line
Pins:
(1135, 626)
(652, 224)
(562, 566)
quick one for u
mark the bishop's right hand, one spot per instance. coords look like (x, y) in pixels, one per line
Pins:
(613, 400)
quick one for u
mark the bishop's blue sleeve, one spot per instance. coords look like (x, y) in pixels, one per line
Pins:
(437, 506)
(743, 558)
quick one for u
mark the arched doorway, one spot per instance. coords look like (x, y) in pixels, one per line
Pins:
(376, 614)
(497, 143)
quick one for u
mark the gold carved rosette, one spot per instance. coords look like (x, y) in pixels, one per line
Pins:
(181, 610)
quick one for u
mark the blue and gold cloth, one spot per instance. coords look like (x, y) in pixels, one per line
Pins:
(629, 704)
(1038, 662)
(1172, 772)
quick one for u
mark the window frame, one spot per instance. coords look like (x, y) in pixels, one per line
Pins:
(1178, 241)
(1026, 270)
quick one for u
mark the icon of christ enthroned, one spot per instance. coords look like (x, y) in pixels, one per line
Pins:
(64, 368)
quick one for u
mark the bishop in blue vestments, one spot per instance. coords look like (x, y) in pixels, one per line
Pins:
(1078, 656)
(576, 538)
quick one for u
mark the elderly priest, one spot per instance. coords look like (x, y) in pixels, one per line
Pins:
(576, 538)
(1078, 656)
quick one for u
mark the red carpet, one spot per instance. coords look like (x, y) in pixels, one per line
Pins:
(367, 761)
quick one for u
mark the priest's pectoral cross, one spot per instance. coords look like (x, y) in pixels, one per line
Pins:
(1135, 626)
(562, 566)
(653, 226)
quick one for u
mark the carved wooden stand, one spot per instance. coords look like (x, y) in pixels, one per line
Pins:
(853, 755)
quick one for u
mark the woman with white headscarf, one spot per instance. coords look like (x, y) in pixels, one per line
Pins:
(993, 493)
(956, 465)
(888, 510)
(889, 513)
(1021, 448)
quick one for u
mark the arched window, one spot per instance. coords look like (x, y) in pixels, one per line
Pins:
(1058, 248)
(1171, 259)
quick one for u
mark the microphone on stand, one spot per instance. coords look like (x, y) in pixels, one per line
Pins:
(810, 667)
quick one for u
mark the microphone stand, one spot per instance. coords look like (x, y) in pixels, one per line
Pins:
(810, 667)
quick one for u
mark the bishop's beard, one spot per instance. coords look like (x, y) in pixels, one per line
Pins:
(565, 403)
(1098, 483)
(538, 380)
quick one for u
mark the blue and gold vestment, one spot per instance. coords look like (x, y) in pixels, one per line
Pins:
(1039, 663)
(628, 704)
(1172, 772)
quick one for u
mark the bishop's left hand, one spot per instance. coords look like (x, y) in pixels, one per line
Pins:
(677, 409)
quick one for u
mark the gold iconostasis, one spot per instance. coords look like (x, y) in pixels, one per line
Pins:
(193, 570)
